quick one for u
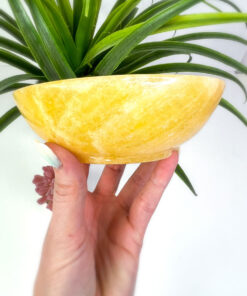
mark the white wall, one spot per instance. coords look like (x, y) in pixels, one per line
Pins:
(195, 246)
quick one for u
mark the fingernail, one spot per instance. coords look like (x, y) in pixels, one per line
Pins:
(48, 155)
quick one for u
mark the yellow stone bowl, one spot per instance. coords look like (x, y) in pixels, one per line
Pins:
(123, 118)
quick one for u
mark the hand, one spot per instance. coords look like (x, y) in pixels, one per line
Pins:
(94, 240)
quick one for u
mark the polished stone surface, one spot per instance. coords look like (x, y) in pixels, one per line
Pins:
(120, 119)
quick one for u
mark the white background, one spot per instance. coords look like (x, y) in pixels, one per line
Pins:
(194, 246)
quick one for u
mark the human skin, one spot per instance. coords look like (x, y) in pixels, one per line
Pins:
(94, 239)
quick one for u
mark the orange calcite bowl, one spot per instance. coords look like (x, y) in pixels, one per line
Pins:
(120, 119)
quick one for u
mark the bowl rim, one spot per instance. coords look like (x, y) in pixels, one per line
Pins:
(158, 75)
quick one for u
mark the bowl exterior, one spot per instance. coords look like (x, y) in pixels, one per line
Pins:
(120, 119)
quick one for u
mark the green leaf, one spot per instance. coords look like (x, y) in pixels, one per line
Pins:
(105, 44)
(187, 67)
(65, 40)
(8, 18)
(189, 59)
(77, 9)
(208, 35)
(187, 21)
(202, 19)
(14, 87)
(67, 12)
(115, 18)
(211, 5)
(152, 10)
(18, 62)
(113, 59)
(233, 5)
(191, 48)
(137, 60)
(127, 20)
(182, 175)
(228, 106)
(33, 40)
(87, 24)
(12, 30)
(117, 3)
(8, 82)
(9, 117)
(15, 47)
(49, 40)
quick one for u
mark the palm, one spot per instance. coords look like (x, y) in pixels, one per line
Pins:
(115, 235)
(115, 242)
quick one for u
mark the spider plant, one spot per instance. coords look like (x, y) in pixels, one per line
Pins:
(52, 40)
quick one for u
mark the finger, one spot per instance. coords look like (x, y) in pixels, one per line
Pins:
(70, 189)
(135, 184)
(109, 180)
(146, 202)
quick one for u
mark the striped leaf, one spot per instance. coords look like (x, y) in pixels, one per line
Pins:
(67, 12)
(9, 117)
(208, 35)
(232, 4)
(127, 20)
(202, 19)
(15, 47)
(14, 87)
(137, 60)
(152, 10)
(211, 6)
(186, 21)
(8, 18)
(77, 10)
(190, 67)
(115, 18)
(18, 62)
(182, 175)
(66, 41)
(33, 40)
(105, 44)
(228, 106)
(8, 82)
(113, 59)
(12, 30)
(87, 24)
(50, 42)
(117, 3)
(191, 48)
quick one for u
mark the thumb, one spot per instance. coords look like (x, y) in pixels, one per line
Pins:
(70, 189)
